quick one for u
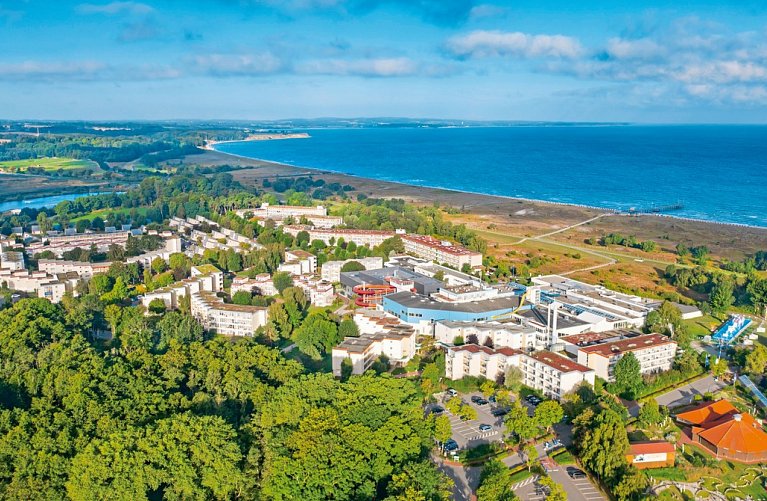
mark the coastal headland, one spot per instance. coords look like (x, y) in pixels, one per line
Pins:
(210, 145)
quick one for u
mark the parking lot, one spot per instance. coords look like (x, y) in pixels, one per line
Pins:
(467, 433)
(579, 489)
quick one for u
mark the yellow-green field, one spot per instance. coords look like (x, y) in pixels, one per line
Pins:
(47, 164)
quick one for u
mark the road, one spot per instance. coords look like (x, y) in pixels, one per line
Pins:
(685, 394)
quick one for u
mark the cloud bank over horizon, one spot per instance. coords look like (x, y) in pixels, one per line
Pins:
(450, 58)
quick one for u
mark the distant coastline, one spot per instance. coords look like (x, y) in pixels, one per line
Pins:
(210, 145)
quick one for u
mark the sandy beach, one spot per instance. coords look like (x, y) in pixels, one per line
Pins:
(521, 217)
(211, 145)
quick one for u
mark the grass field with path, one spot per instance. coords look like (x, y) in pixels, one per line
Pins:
(48, 164)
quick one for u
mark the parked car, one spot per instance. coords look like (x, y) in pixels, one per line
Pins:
(499, 412)
(546, 446)
(481, 401)
(452, 392)
(437, 409)
(476, 398)
(556, 443)
(575, 473)
(530, 397)
(492, 398)
(450, 445)
(485, 427)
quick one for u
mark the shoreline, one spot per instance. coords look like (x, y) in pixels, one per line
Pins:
(211, 145)
(616, 212)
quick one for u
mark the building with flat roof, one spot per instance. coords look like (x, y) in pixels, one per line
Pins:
(318, 291)
(651, 454)
(441, 251)
(385, 276)
(370, 238)
(299, 262)
(605, 309)
(61, 244)
(726, 432)
(479, 361)
(654, 352)
(83, 268)
(497, 334)
(280, 212)
(396, 342)
(205, 278)
(261, 284)
(10, 260)
(422, 312)
(331, 270)
(550, 373)
(226, 319)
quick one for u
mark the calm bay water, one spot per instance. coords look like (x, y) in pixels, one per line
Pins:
(37, 203)
(718, 173)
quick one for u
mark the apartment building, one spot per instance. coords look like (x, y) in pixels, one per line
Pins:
(318, 291)
(280, 212)
(205, 278)
(45, 285)
(216, 237)
(655, 353)
(299, 262)
(331, 270)
(261, 284)
(61, 244)
(370, 321)
(226, 319)
(13, 261)
(172, 246)
(397, 343)
(84, 269)
(441, 251)
(497, 334)
(370, 238)
(479, 361)
(552, 374)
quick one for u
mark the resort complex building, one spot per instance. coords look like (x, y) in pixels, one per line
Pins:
(299, 262)
(479, 361)
(655, 353)
(395, 277)
(396, 342)
(550, 373)
(280, 212)
(261, 284)
(13, 261)
(441, 251)
(602, 308)
(318, 291)
(84, 269)
(205, 278)
(422, 312)
(331, 270)
(226, 319)
(58, 245)
(726, 432)
(172, 246)
(496, 334)
(369, 238)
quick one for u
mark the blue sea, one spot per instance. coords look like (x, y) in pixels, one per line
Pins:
(717, 173)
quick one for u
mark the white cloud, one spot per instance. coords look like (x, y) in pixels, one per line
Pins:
(236, 64)
(486, 10)
(377, 67)
(32, 70)
(643, 48)
(482, 43)
(115, 8)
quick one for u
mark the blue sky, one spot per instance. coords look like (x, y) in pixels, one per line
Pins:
(651, 61)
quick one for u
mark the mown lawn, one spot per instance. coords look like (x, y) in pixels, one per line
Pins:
(48, 164)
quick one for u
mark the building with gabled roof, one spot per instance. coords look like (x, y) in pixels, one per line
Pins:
(726, 432)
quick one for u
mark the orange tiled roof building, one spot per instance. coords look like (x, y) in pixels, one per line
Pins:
(726, 432)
